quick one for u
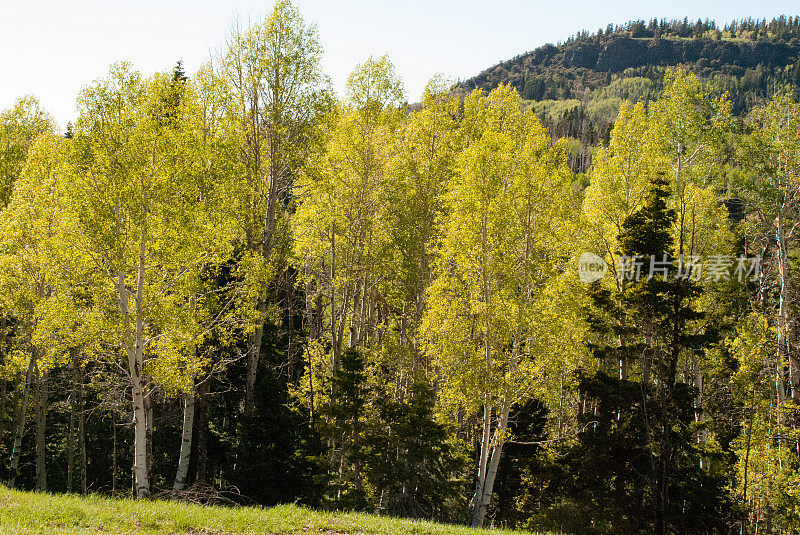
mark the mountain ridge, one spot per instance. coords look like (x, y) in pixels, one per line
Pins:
(759, 53)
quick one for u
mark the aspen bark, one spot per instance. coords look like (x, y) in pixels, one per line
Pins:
(3, 381)
(253, 357)
(186, 441)
(782, 349)
(135, 351)
(483, 459)
(79, 406)
(490, 465)
(20, 427)
(201, 429)
(71, 446)
(41, 430)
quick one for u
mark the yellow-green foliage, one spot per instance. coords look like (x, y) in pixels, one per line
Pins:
(489, 307)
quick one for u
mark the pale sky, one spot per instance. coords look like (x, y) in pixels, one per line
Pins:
(52, 48)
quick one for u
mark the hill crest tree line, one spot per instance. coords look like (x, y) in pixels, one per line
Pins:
(577, 86)
(236, 287)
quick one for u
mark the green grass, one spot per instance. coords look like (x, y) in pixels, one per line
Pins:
(26, 512)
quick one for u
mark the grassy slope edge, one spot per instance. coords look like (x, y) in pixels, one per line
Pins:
(26, 512)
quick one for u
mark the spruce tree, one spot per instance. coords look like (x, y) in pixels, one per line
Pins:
(637, 451)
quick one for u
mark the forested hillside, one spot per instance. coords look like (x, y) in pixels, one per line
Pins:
(578, 85)
(236, 287)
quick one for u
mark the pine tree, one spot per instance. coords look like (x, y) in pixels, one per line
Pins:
(640, 432)
(342, 422)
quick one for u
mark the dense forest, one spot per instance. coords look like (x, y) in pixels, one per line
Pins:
(237, 287)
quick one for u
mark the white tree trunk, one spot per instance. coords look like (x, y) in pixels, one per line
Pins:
(484, 496)
(186, 441)
(141, 477)
(483, 460)
(41, 429)
(77, 377)
(782, 349)
(253, 357)
(135, 350)
(20, 429)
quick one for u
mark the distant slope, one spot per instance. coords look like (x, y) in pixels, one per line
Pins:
(746, 58)
(576, 87)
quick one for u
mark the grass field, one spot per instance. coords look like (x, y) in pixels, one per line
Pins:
(26, 512)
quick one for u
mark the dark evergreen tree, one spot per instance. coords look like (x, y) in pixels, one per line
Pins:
(410, 460)
(342, 423)
(636, 468)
